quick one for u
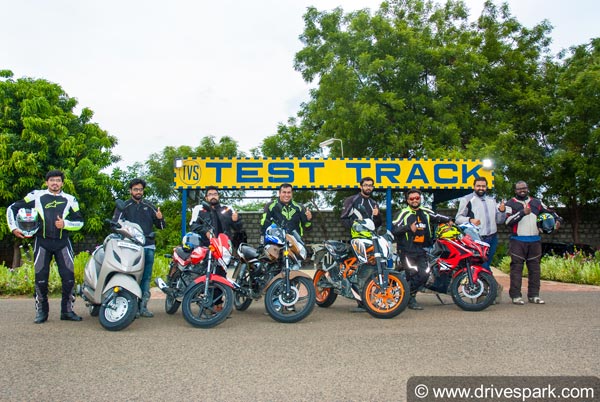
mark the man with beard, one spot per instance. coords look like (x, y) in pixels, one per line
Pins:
(223, 219)
(414, 230)
(60, 215)
(361, 205)
(482, 211)
(525, 245)
(138, 210)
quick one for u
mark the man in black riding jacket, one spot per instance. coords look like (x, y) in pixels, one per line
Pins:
(138, 210)
(287, 212)
(361, 205)
(222, 218)
(414, 231)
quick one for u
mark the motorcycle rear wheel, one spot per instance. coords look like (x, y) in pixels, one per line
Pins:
(325, 296)
(171, 302)
(477, 297)
(388, 304)
(293, 307)
(242, 277)
(202, 310)
(120, 312)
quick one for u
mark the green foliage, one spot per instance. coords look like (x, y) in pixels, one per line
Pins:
(576, 268)
(39, 131)
(20, 281)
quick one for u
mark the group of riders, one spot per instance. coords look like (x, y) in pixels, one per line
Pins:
(50, 214)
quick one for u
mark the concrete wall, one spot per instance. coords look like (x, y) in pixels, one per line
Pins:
(327, 225)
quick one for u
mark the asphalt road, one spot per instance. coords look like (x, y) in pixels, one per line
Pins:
(333, 355)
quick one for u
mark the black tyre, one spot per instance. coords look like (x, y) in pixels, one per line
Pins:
(476, 297)
(207, 309)
(94, 309)
(175, 285)
(325, 295)
(119, 312)
(388, 303)
(242, 277)
(171, 304)
(294, 306)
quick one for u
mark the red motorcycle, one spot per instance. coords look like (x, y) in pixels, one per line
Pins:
(198, 277)
(455, 268)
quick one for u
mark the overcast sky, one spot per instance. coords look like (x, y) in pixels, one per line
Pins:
(159, 73)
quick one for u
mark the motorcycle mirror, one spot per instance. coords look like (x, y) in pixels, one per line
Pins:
(120, 204)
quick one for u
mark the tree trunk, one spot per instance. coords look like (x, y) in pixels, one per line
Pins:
(576, 216)
(16, 260)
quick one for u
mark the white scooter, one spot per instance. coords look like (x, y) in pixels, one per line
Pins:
(112, 276)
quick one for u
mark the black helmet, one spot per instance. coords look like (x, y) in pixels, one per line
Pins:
(546, 222)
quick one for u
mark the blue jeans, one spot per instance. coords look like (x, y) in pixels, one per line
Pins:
(147, 276)
(492, 240)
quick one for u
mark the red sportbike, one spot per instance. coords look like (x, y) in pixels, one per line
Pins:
(455, 268)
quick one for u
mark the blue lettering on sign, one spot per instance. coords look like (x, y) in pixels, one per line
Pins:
(218, 166)
(445, 166)
(191, 173)
(247, 173)
(358, 167)
(417, 173)
(468, 173)
(311, 166)
(281, 172)
(389, 170)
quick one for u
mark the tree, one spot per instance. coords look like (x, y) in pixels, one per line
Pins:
(574, 141)
(39, 131)
(418, 80)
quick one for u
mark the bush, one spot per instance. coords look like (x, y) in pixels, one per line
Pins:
(577, 268)
(21, 280)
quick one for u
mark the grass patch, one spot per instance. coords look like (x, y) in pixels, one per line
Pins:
(576, 268)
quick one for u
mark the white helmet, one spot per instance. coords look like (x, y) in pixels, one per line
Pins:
(27, 221)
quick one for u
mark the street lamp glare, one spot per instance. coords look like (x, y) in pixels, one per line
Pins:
(326, 143)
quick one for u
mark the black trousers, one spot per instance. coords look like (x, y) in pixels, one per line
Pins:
(62, 251)
(522, 253)
(417, 271)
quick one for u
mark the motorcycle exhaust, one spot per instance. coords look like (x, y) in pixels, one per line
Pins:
(161, 284)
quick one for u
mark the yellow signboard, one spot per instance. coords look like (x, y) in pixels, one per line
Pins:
(328, 173)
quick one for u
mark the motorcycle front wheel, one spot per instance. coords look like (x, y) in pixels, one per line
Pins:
(119, 312)
(293, 306)
(325, 296)
(476, 297)
(171, 302)
(242, 277)
(94, 309)
(388, 303)
(207, 309)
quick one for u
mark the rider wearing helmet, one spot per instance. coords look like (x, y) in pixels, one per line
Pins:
(525, 244)
(59, 214)
(414, 231)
